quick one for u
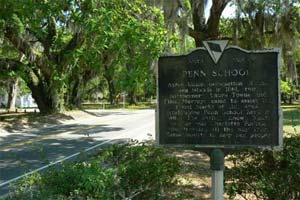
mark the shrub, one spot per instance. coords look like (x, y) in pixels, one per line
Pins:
(266, 174)
(288, 92)
(120, 172)
(143, 171)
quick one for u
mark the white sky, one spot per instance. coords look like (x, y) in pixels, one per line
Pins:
(229, 11)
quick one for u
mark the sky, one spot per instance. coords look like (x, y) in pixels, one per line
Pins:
(229, 11)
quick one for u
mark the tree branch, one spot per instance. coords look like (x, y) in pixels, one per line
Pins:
(214, 18)
(76, 42)
(26, 48)
(47, 41)
(20, 44)
(8, 65)
(195, 34)
(198, 15)
(50, 38)
(51, 32)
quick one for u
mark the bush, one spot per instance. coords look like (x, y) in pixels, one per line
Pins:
(288, 92)
(266, 174)
(121, 172)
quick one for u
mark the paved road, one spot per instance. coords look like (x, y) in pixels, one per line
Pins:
(33, 149)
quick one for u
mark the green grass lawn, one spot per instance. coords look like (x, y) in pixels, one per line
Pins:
(291, 119)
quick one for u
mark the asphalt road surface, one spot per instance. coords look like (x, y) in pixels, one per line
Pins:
(37, 149)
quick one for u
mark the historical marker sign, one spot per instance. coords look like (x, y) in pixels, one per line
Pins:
(219, 96)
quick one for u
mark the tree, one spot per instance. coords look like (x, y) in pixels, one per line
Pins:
(287, 31)
(46, 33)
(201, 28)
(65, 44)
(129, 37)
(143, 38)
(272, 23)
(210, 29)
(12, 94)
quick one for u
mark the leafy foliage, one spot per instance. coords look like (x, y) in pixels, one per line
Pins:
(121, 172)
(288, 91)
(64, 44)
(266, 174)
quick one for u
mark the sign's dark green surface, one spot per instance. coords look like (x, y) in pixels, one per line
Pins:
(234, 102)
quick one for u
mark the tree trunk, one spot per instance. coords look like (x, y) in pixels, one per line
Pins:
(214, 19)
(236, 26)
(289, 40)
(112, 92)
(132, 98)
(107, 60)
(111, 88)
(43, 99)
(48, 99)
(257, 38)
(12, 95)
(74, 98)
(291, 63)
(198, 21)
(210, 30)
(131, 87)
(77, 86)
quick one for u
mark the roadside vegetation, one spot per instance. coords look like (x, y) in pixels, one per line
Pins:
(136, 171)
(143, 171)
(264, 175)
(269, 174)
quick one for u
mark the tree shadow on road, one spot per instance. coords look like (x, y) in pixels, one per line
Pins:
(74, 131)
(12, 122)
(102, 113)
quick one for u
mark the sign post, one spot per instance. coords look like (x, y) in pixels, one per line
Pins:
(217, 166)
(219, 98)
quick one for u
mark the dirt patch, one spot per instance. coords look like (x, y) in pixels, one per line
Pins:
(13, 122)
(195, 176)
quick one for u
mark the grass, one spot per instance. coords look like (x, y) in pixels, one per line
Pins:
(291, 120)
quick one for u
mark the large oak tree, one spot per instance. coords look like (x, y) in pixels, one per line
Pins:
(46, 33)
(65, 43)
